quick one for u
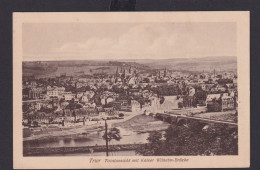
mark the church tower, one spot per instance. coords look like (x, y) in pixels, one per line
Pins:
(116, 72)
(130, 70)
(123, 74)
(164, 74)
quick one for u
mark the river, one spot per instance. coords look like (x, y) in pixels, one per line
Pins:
(134, 129)
(91, 139)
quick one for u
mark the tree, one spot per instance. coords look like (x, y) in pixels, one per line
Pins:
(154, 145)
(79, 106)
(217, 139)
(180, 105)
(200, 95)
(26, 107)
(162, 99)
(121, 115)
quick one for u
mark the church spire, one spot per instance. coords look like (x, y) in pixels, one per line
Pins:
(117, 72)
(130, 70)
(164, 75)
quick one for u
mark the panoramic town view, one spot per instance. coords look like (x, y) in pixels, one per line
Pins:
(95, 89)
(72, 107)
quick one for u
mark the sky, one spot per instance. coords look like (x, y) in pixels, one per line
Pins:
(93, 41)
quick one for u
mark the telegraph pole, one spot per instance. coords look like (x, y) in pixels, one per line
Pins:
(106, 137)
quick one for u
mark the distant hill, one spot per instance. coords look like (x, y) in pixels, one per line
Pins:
(228, 63)
(222, 63)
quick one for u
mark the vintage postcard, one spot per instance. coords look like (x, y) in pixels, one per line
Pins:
(131, 90)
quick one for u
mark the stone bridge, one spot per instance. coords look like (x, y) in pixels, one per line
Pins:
(181, 119)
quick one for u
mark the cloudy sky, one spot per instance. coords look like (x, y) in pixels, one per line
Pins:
(66, 41)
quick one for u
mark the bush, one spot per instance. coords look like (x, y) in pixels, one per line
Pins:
(26, 132)
(218, 139)
(121, 115)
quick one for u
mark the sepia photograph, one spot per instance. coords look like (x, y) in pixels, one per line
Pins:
(139, 88)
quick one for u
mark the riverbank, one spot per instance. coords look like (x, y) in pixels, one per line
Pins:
(73, 150)
(74, 129)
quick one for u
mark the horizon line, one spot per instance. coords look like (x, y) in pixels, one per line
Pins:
(126, 59)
